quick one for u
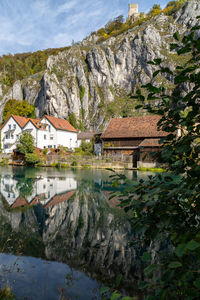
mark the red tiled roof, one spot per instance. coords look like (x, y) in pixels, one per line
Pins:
(136, 127)
(35, 122)
(150, 143)
(60, 198)
(60, 123)
(20, 201)
(21, 121)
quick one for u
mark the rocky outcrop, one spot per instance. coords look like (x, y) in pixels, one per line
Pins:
(88, 78)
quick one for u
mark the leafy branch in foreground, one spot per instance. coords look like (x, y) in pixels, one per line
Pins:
(166, 207)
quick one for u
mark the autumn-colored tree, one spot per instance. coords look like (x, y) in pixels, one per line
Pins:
(19, 108)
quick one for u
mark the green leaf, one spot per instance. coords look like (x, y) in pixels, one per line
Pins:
(192, 245)
(146, 256)
(197, 282)
(173, 46)
(104, 289)
(115, 296)
(126, 298)
(118, 279)
(156, 73)
(115, 184)
(175, 264)
(177, 36)
(157, 61)
(179, 250)
(148, 271)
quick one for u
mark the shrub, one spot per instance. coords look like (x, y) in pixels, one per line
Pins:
(45, 151)
(32, 158)
(74, 163)
(26, 143)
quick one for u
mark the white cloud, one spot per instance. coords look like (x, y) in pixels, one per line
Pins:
(29, 25)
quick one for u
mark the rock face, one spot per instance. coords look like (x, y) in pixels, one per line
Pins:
(88, 78)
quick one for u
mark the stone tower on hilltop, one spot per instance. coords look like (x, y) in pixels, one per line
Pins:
(133, 11)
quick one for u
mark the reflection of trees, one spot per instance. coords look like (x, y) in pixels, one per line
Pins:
(25, 186)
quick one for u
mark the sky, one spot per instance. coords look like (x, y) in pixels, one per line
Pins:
(31, 25)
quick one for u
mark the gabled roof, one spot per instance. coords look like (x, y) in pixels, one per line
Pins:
(60, 124)
(86, 135)
(35, 122)
(135, 127)
(21, 121)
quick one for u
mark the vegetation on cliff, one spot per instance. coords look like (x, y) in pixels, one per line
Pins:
(19, 108)
(21, 65)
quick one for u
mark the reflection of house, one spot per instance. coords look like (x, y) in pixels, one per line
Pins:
(48, 132)
(44, 190)
(131, 135)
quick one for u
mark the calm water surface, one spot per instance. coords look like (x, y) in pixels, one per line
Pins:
(60, 235)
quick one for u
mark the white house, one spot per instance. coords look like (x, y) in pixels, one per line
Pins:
(45, 190)
(48, 132)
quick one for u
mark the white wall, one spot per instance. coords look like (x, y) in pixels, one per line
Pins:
(49, 138)
(9, 137)
(67, 139)
(46, 188)
(50, 133)
(30, 128)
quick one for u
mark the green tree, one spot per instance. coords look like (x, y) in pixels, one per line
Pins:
(26, 143)
(19, 108)
(166, 208)
(72, 120)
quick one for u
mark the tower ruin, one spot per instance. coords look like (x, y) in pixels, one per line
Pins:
(133, 11)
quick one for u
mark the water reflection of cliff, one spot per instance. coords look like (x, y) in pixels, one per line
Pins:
(71, 221)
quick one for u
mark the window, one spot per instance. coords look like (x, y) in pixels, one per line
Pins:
(9, 126)
(49, 146)
(6, 136)
(51, 137)
(45, 137)
(14, 126)
(49, 128)
(12, 136)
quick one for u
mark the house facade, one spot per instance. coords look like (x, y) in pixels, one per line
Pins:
(48, 132)
(136, 136)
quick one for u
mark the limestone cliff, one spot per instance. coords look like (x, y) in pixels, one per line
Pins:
(93, 79)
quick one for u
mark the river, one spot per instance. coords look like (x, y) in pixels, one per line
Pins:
(61, 236)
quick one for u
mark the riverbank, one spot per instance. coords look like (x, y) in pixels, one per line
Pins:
(82, 161)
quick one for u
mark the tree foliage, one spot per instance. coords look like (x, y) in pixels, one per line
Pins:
(26, 143)
(20, 66)
(166, 207)
(19, 108)
(73, 121)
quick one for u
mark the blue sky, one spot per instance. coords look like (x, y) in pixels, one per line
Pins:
(30, 25)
